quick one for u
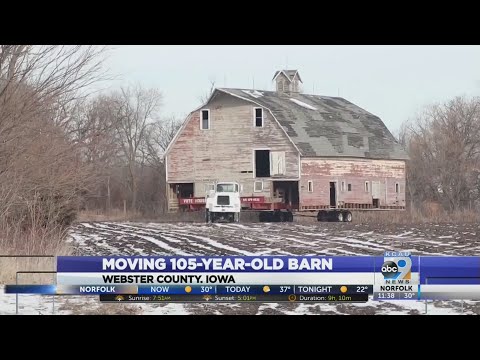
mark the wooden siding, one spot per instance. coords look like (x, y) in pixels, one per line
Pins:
(355, 172)
(226, 150)
(283, 84)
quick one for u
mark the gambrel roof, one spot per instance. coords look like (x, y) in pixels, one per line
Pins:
(326, 126)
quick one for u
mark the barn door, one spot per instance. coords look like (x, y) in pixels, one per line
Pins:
(378, 193)
(376, 189)
(277, 163)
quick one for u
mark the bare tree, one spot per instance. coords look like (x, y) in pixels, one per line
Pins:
(54, 75)
(444, 147)
(93, 130)
(161, 133)
(39, 166)
(134, 110)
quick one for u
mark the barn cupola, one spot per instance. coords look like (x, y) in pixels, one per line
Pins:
(287, 81)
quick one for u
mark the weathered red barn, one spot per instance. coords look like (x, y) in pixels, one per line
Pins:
(287, 150)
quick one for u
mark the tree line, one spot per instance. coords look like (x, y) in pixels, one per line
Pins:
(443, 144)
(63, 149)
(121, 139)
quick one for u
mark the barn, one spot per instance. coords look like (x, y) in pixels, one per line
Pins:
(287, 150)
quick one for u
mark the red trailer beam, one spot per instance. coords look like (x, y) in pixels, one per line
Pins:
(244, 200)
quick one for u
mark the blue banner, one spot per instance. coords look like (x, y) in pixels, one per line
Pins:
(31, 289)
(453, 281)
(429, 267)
(453, 267)
(225, 264)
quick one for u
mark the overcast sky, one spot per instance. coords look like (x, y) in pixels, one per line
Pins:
(393, 82)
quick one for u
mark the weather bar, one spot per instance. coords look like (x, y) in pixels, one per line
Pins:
(189, 289)
(292, 298)
(256, 289)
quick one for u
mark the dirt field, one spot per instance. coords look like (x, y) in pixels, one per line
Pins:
(273, 239)
(108, 238)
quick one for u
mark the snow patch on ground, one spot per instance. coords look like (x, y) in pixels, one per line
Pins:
(164, 246)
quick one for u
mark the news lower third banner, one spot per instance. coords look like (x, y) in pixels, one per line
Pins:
(393, 276)
(227, 270)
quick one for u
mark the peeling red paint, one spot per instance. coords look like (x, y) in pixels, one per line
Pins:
(383, 173)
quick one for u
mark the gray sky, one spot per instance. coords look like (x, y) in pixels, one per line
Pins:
(394, 82)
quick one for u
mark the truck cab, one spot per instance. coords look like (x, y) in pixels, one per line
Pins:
(223, 203)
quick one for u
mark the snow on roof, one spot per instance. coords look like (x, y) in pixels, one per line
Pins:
(254, 93)
(302, 104)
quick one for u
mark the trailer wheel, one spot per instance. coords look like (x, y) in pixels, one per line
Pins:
(288, 216)
(261, 217)
(277, 216)
(340, 216)
(347, 217)
(321, 216)
(264, 217)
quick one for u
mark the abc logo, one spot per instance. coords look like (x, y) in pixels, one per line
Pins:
(389, 269)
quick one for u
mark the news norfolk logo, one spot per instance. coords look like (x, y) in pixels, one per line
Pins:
(397, 268)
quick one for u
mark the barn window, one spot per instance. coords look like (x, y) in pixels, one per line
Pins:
(349, 187)
(205, 120)
(397, 188)
(258, 186)
(342, 187)
(310, 186)
(367, 187)
(258, 112)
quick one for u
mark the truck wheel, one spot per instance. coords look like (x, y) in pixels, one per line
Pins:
(347, 217)
(211, 217)
(207, 216)
(236, 218)
(340, 217)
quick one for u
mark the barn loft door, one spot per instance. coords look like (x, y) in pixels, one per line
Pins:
(378, 193)
(277, 163)
(376, 189)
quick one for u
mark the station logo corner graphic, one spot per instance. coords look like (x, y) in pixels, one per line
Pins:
(397, 268)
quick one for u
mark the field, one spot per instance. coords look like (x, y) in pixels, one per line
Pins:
(109, 238)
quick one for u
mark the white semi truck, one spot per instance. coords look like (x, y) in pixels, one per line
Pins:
(223, 203)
